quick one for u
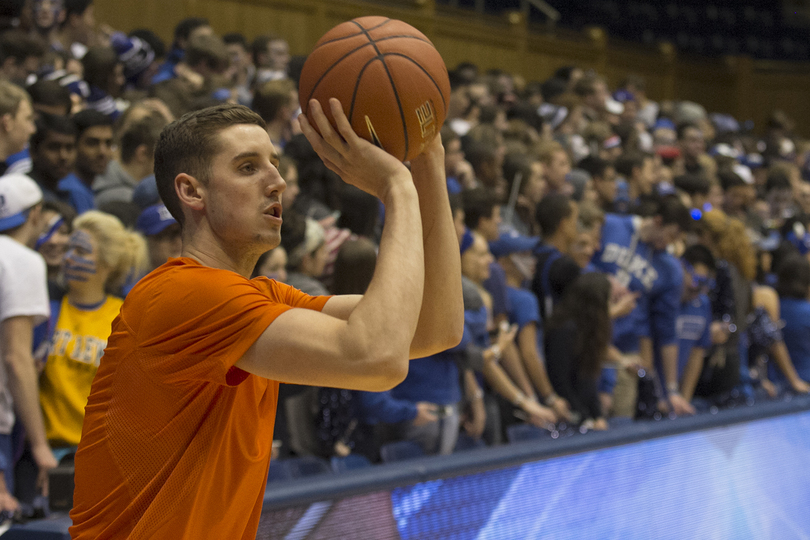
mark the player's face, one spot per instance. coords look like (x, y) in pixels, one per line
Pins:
(243, 193)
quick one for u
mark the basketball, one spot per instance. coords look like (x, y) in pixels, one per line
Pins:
(390, 79)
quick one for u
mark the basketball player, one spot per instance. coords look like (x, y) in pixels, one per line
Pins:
(178, 430)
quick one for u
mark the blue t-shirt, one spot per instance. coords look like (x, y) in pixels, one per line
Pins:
(796, 333)
(434, 378)
(655, 274)
(525, 310)
(74, 192)
(496, 287)
(693, 327)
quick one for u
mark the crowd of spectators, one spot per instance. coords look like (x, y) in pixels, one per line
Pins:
(621, 258)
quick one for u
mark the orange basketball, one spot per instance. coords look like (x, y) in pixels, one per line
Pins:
(390, 79)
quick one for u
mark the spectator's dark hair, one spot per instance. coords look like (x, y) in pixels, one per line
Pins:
(514, 164)
(137, 134)
(551, 211)
(526, 112)
(730, 179)
(354, 267)
(629, 161)
(189, 144)
(692, 184)
(586, 304)
(448, 135)
(594, 165)
(51, 94)
(235, 37)
(564, 73)
(48, 123)
(672, 211)
(127, 212)
(359, 211)
(793, 277)
(293, 234)
(700, 254)
(478, 154)
(185, 27)
(455, 203)
(89, 118)
(777, 179)
(99, 64)
(259, 46)
(18, 45)
(553, 88)
(67, 212)
(209, 50)
(154, 41)
(586, 86)
(681, 129)
(479, 203)
(634, 80)
(271, 96)
(76, 7)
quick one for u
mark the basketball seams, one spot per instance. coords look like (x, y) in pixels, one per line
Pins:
(386, 21)
(333, 66)
(357, 86)
(426, 72)
(393, 87)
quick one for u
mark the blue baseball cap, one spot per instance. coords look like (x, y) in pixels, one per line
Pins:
(154, 220)
(512, 242)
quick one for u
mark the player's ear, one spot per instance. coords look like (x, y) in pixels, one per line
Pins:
(190, 191)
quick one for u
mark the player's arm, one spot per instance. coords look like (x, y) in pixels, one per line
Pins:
(370, 349)
(441, 321)
(16, 337)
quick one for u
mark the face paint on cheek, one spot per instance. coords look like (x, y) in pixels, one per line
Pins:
(78, 267)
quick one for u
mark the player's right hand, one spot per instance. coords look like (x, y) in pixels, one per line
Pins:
(355, 160)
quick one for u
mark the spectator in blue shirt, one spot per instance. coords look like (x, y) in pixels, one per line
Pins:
(794, 306)
(634, 250)
(183, 33)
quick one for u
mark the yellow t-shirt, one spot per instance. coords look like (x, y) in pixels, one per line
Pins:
(77, 345)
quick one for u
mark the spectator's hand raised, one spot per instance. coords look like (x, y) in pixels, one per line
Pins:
(355, 160)
(425, 413)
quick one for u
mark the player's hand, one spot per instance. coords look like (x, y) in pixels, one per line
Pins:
(425, 413)
(355, 160)
(680, 406)
(45, 460)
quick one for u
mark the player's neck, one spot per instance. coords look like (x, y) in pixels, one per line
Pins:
(216, 255)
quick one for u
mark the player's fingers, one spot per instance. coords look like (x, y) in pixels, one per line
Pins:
(327, 131)
(324, 149)
(342, 123)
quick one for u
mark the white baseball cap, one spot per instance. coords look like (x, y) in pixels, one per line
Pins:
(18, 193)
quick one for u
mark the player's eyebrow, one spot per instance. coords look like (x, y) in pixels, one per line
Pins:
(245, 155)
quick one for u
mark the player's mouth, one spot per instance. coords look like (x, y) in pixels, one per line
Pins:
(274, 211)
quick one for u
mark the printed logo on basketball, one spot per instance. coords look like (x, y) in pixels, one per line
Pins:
(427, 119)
(372, 133)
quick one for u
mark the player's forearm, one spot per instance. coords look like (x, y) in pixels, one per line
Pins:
(384, 321)
(441, 320)
(22, 383)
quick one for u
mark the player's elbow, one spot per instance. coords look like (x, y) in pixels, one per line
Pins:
(389, 371)
(455, 332)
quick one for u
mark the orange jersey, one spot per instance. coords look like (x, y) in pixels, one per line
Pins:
(176, 440)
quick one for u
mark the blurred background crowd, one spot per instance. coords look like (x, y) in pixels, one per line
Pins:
(623, 259)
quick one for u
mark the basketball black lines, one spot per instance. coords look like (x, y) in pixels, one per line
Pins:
(393, 87)
(386, 21)
(359, 47)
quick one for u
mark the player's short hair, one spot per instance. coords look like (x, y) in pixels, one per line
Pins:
(189, 144)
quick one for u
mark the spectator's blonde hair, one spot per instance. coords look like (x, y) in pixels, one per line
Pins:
(11, 96)
(124, 252)
(731, 241)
